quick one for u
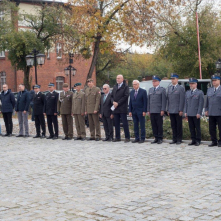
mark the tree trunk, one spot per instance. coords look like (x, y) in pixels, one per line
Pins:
(26, 77)
(94, 59)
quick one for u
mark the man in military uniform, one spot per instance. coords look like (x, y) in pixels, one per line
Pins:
(194, 103)
(64, 108)
(175, 105)
(156, 106)
(38, 107)
(78, 110)
(92, 106)
(213, 109)
(50, 110)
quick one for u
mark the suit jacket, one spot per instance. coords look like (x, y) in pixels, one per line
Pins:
(23, 101)
(78, 103)
(175, 99)
(138, 105)
(38, 103)
(65, 102)
(51, 101)
(213, 102)
(8, 101)
(105, 109)
(194, 103)
(156, 100)
(92, 99)
(121, 97)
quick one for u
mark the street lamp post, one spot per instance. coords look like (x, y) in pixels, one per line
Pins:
(218, 66)
(35, 59)
(70, 70)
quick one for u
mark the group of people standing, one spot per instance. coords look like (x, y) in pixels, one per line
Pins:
(112, 107)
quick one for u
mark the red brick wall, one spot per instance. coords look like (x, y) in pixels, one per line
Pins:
(48, 72)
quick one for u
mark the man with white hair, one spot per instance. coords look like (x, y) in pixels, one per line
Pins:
(119, 98)
(138, 109)
(106, 113)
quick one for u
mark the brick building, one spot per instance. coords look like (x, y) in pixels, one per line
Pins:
(53, 69)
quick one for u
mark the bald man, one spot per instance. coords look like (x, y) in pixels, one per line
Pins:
(119, 98)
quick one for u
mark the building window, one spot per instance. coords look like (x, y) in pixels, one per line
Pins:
(59, 83)
(2, 79)
(2, 54)
(59, 50)
(1, 15)
(48, 54)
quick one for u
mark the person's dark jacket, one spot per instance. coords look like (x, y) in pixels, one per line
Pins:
(105, 109)
(23, 101)
(51, 101)
(39, 102)
(121, 97)
(8, 101)
(32, 94)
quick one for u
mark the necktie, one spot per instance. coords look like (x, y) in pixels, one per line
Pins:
(173, 88)
(105, 97)
(154, 90)
(191, 92)
(215, 90)
(135, 94)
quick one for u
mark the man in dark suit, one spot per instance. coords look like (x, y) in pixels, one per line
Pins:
(138, 109)
(38, 106)
(50, 110)
(119, 98)
(106, 113)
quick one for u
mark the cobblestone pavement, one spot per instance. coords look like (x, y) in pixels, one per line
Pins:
(75, 180)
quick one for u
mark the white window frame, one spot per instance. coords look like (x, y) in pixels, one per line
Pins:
(59, 50)
(2, 79)
(2, 54)
(59, 82)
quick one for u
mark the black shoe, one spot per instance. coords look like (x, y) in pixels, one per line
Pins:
(91, 138)
(83, 139)
(192, 143)
(126, 140)
(9, 135)
(65, 138)
(155, 141)
(6, 135)
(55, 138)
(219, 144)
(197, 144)
(141, 141)
(69, 138)
(116, 140)
(106, 139)
(178, 142)
(77, 138)
(213, 144)
(135, 141)
(43, 136)
(97, 139)
(160, 142)
(37, 136)
(19, 135)
(50, 137)
(26, 136)
(110, 139)
(173, 142)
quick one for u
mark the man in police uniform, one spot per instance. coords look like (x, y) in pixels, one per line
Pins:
(50, 110)
(194, 103)
(38, 106)
(175, 105)
(92, 106)
(78, 110)
(156, 106)
(213, 109)
(64, 108)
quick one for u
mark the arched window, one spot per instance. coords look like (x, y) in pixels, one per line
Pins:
(59, 82)
(2, 79)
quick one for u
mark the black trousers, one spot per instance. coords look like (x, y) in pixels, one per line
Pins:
(194, 126)
(213, 121)
(52, 120)
(117, 118)
(108, 126)
(40, 122)
(157, 125)
(8, 122)
(177, 126)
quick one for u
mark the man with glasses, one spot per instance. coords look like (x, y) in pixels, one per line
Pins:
(106, 113)
(138, 109)
(50, 110)
(92, 106)
(7, 99)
